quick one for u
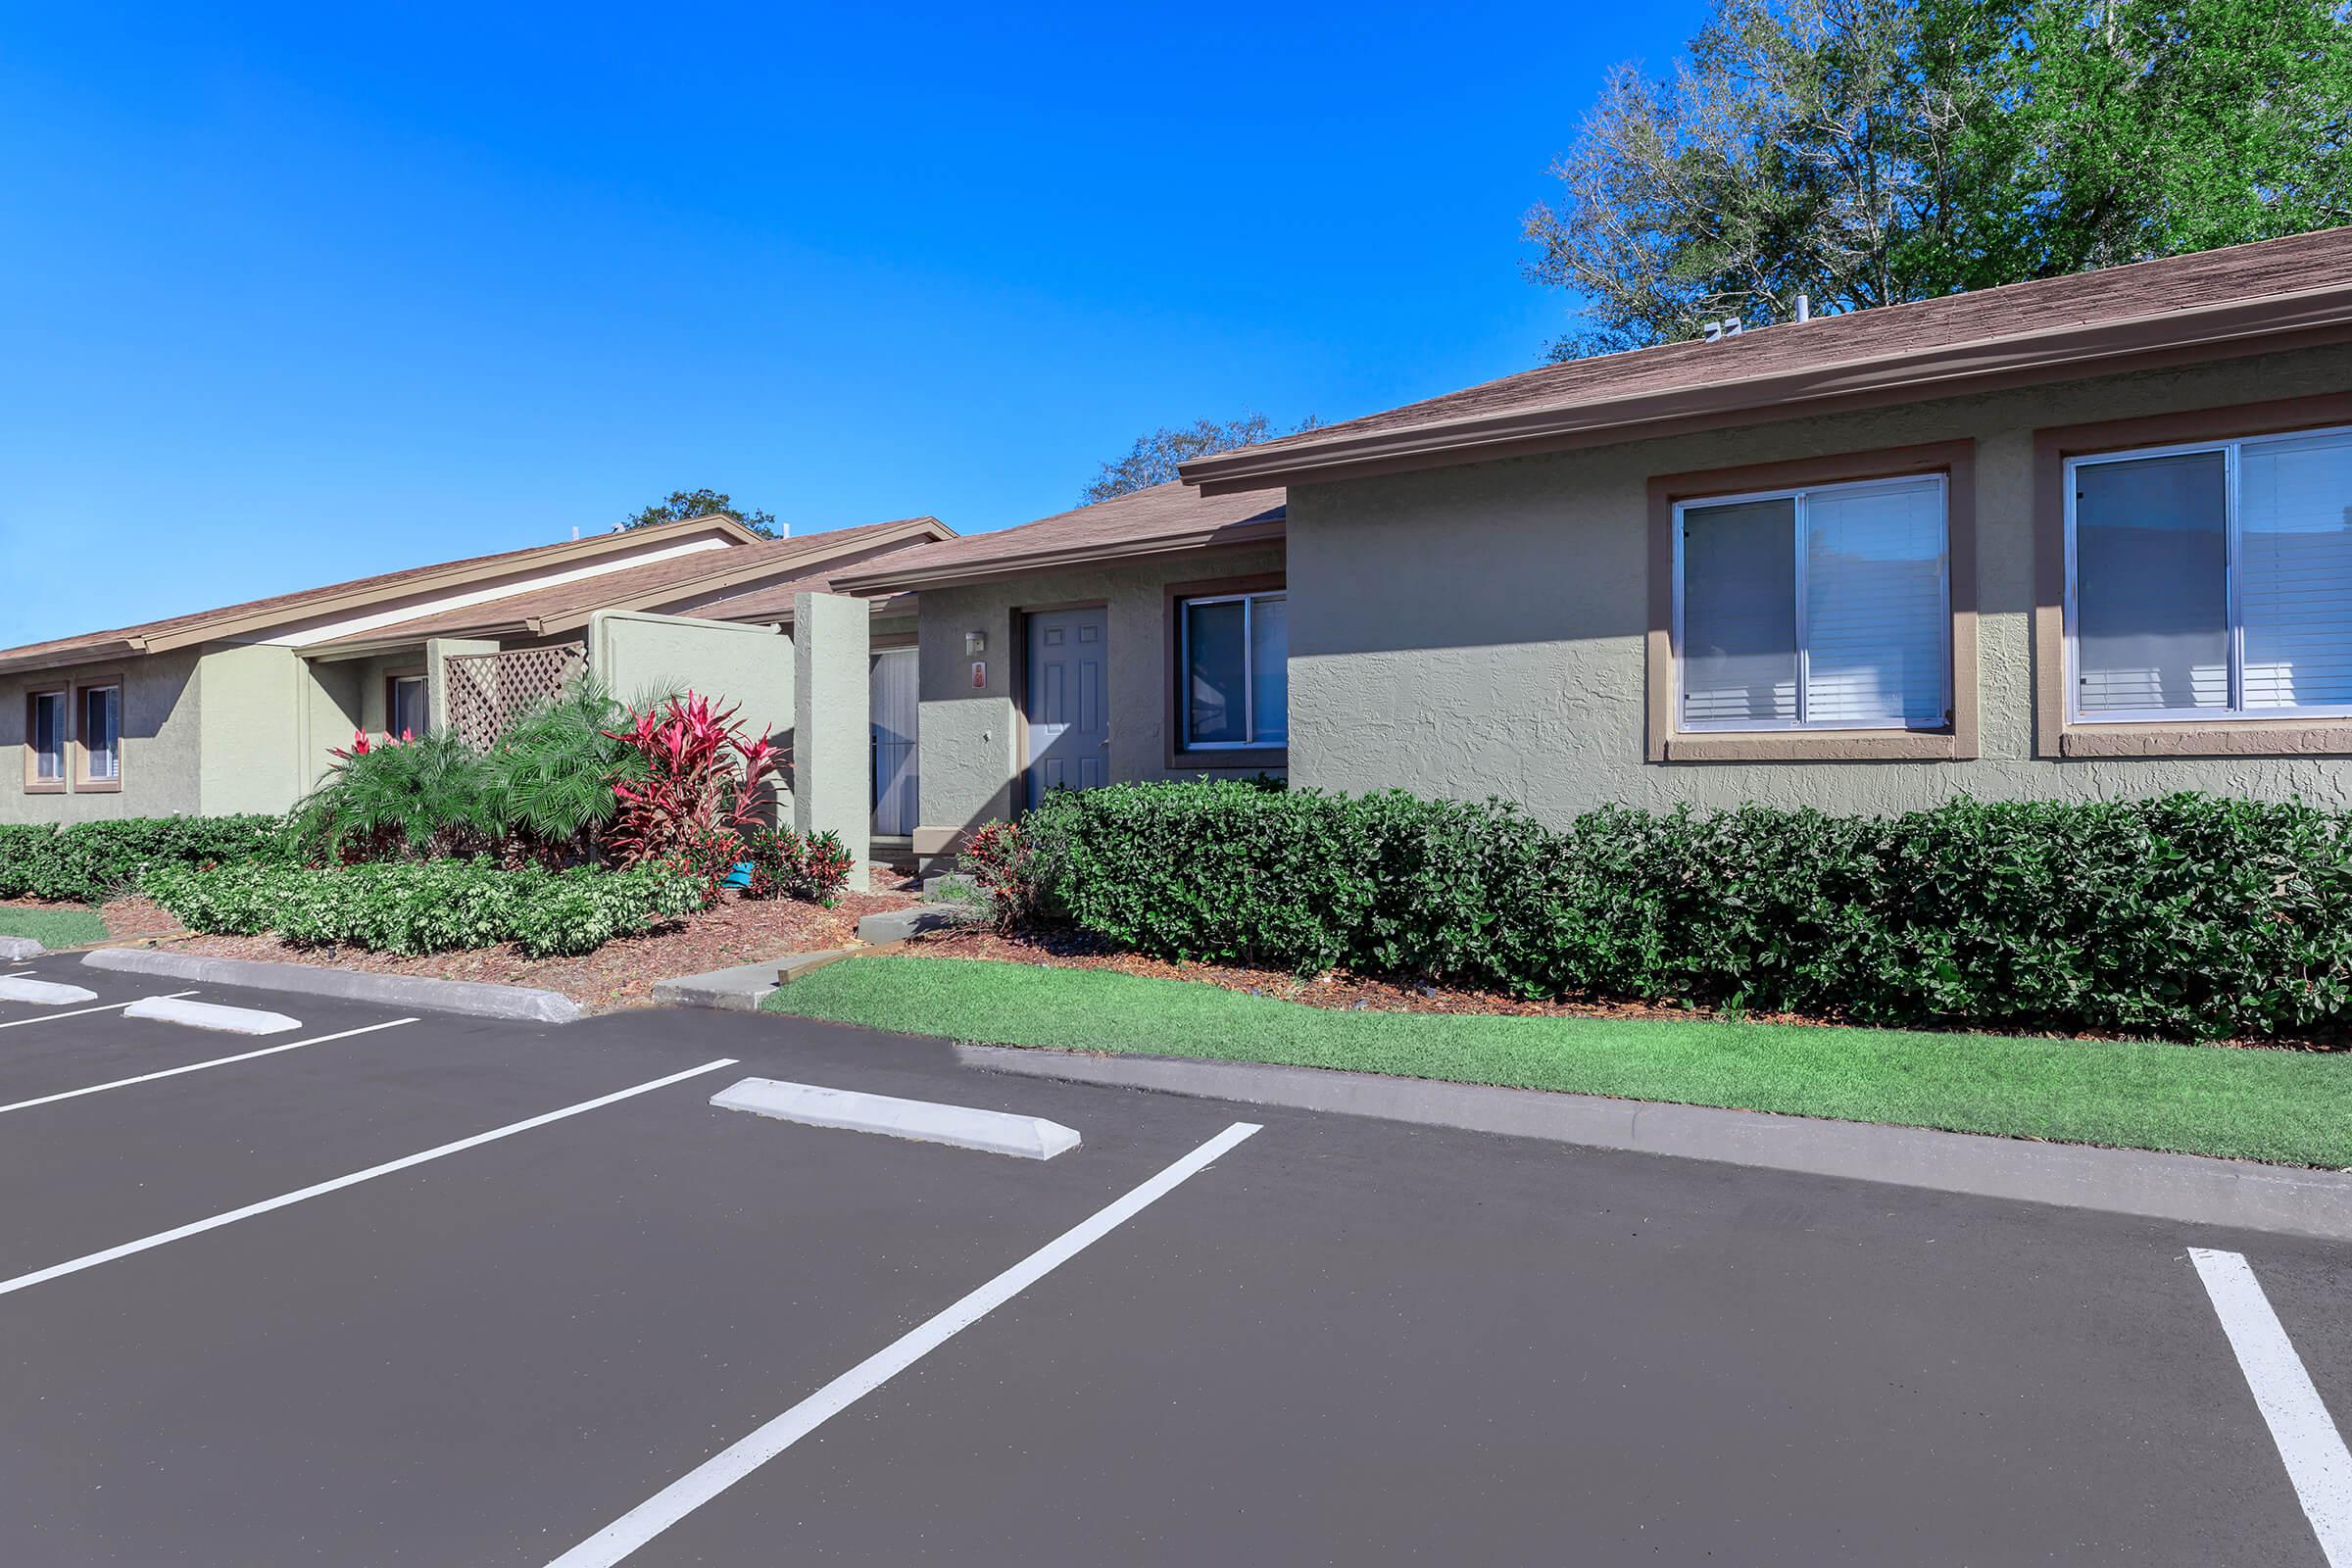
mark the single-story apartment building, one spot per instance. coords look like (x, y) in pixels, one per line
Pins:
(2079, 538)
(237, 709)
(2084, 537)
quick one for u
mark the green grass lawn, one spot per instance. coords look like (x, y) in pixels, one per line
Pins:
(53, 928)
(2285, 1105)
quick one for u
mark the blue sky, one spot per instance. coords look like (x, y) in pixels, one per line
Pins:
(296, 294)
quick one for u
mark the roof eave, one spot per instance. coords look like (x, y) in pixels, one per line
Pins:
(883, 583)
(2306, 318)
(67, 658)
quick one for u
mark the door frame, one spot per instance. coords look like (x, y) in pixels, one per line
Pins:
(1020, 684)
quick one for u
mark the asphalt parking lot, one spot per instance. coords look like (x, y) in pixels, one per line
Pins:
(453, 1291)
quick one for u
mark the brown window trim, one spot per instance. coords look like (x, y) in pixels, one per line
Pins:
(34, 784)
(1180, 758)
(2055, 735)
(1956, 461)
(392, 677)
(84, 784)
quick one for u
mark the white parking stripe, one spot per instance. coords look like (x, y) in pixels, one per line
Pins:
(2307, 1437)
(144, 1244)
(82, 1012)
(723, 1470)
(197, 1067)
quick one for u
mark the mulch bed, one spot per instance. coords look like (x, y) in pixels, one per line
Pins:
(1342, 992)
(620, 974)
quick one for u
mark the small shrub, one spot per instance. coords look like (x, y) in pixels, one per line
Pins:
(92, 861)
(413, 908)
(786, 864)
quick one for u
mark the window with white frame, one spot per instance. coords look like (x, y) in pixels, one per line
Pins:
(1822, 608)
(1234, 670)
(403, 705)
(100, 733)
(2212, 580)
(45, 739)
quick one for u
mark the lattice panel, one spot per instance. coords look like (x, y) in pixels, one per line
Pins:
(487, 691)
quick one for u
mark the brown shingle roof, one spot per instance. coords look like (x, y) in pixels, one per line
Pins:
(290, 608)
(2215, 304)
(676, 583)
(1165, 518)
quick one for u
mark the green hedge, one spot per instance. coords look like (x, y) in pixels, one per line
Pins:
(2189, 915)
(426, 906)
(92, 861)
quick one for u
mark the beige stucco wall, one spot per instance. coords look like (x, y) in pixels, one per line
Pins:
(971, 737)
(159, 742)
(253, 755)
(638, 656)
(1477, 631)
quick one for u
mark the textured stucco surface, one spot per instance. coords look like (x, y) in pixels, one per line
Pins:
(1477, 631)
(832, 730)
(160, 744)
(638, 655)
(971, 737)
(254, 724)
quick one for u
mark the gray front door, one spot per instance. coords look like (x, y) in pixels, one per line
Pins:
(1069, 732)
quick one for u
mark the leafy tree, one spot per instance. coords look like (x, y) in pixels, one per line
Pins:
(1153, 458)
(1868, 152)
(684, 504)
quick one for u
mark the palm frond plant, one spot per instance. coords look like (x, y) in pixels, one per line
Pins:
(412, 798)
(549, 781)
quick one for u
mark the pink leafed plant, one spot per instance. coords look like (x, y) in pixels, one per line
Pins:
(704, 787)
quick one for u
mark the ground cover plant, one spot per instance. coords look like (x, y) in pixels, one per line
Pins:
(53, 928)
(2186, 917)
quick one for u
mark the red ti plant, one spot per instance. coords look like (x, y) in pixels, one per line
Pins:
(702, 788)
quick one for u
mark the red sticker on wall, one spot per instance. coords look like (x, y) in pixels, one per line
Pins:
(980, 673)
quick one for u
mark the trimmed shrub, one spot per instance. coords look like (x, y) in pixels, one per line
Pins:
(2189, 915)
(789, 865)
(426, 906)
(93, 861)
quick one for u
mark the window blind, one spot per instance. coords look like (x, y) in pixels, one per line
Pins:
(2295, 560)
(1875, 597)
(1738, 663)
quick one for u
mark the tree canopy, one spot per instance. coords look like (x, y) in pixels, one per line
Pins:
(1869, 152)
(1153, 457)
(684, 504)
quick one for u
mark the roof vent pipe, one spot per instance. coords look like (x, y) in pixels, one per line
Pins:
(1804, 307)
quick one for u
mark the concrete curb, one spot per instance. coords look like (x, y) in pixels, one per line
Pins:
(16, 949)
(2185, 1188)
(521, 1003)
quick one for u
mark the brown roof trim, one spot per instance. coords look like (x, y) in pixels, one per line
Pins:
(2235, 330)
(812, 550)
(1209, 537)
(236, 621)
(908, 530)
